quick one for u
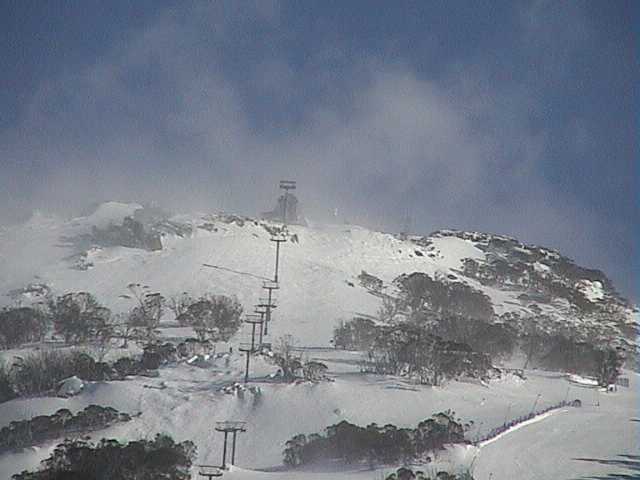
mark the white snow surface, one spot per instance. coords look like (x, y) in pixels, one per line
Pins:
(315, 276)
(186, 401)
(315, 272)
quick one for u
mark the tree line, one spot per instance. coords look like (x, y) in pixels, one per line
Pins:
(79, 318)
(435, 329)
(22, 433)
(375, 444)
(109, 459)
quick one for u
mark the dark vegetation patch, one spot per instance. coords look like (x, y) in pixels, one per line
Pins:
(412, 351)
(131, 234)
(404, 473)
(370, 282)
(436, 330)
(41, 372)
(373, 444)
(21, 325)
(292, 367)
(23, 433)
(160, 458)
(420, 292)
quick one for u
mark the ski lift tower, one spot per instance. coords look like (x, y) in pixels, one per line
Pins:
(286, 185)
(270, 287)
(209, 471)
(227, 428)
(249, 348)
(261, 312)
(264, 308)
(278, 238)
(254, 320)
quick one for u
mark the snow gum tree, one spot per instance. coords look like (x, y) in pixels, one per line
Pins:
(145, 317)
(78, 317)
(213, 317)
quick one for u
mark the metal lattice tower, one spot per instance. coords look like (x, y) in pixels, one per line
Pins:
(286, 185)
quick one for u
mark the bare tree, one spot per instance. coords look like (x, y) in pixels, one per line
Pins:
(145, 317)
(78, 317)
(390, 309)
(179, 304)
(288, 361)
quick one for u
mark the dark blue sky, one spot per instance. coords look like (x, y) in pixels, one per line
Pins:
(514, 117)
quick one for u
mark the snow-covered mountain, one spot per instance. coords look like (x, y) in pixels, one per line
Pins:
(321, 269)
(322, 281)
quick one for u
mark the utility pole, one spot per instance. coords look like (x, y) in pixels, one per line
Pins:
(278, 238)
(227, 428)
(286, 185)
(270, 287)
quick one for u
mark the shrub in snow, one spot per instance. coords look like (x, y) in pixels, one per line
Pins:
(70, 387)
(290, 363)
(156, 354)
(160, 458)
(127, 366)
(130, 234)
(404, 473)
(191, 347)
(370, 282)
(314, 371)
(356, 334)
(21, 325)
(42, 371)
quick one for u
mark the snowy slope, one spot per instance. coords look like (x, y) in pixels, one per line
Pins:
(186, 402)
(318, 272)
(319, 286)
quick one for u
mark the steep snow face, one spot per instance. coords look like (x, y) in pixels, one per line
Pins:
(319, 267)
(108, 213)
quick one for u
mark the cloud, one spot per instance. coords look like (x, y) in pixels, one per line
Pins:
(168, 116)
